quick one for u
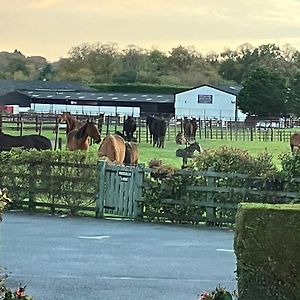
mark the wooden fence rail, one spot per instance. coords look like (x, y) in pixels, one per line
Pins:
(210, 197)
(43, 123)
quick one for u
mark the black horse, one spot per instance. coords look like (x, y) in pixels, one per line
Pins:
(33, 141)
(129, 128)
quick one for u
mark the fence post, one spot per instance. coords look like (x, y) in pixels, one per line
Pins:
(140, 129)
(210, 209)
(21, 129)
(101, 189)
(1, 122)
(56, 134)
(32, 186)
(107, 125)
(138, 187)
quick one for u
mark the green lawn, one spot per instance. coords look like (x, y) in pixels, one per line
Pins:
(167, 155)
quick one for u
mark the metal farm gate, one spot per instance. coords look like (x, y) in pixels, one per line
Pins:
(120, 188)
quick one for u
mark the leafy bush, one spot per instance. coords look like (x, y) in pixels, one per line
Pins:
(291, 170)
(62, 177)
(4, 200)
(19, 293)
(260, 174)
(232, 160)
(220, 293)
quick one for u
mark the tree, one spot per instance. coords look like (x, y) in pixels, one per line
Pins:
(180, 59)
(264, 94)
(294, 96)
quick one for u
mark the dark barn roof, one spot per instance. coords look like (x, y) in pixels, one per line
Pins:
(7, 86)
(153, 103)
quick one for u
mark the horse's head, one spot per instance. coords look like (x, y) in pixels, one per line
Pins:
(93, 131)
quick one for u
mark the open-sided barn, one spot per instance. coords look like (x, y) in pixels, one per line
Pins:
(54, 97)
(205, 101)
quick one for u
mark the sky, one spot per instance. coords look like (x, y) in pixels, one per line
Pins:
(50, 28)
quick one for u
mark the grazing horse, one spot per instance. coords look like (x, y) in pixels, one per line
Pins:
(113, 147)
(129, 127)
(131, 154)
(72, 122)
(295, 141)
(33, 141)
(77, 139)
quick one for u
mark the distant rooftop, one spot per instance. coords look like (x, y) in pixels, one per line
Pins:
(7, 86)
(97, 97)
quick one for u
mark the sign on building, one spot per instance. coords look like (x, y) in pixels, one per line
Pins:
(205, 99)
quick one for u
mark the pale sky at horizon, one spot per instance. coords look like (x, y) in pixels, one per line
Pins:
(51, 27)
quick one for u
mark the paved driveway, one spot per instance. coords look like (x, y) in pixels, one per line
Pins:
(86, 258)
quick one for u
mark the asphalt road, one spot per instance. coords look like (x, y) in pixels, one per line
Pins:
(86, 258)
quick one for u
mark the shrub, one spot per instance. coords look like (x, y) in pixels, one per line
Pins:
(186, 204)
(267, 243)
(44, 176)
(232, 160)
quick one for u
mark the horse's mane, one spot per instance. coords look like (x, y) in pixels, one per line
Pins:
(80, 133)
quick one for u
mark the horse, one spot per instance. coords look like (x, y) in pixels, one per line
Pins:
(188, 129)
(189, 151)
(157, 130)
(149, 123)
(72, 122)
(195, 127)
(129, 128)
(295, 141)
(131, 154)
(77, 139)
(113, 147)
(33, 141)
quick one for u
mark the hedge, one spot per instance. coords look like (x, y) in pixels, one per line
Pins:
(267, 245)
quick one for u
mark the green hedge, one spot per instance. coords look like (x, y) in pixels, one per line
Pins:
(53, 177)
(159, 193)
(267, 246)
(137, 88)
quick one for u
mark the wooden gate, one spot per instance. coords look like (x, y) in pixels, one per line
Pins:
(120, 188)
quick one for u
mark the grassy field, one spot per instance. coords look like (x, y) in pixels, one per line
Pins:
(167, 155)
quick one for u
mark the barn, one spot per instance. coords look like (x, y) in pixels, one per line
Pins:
(55, 97)
(209, 102)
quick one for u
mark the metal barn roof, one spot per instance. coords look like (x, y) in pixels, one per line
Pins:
(7, 86)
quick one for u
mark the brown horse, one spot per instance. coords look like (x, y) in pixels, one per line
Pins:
(77, 139)
(72, 122)
(131, 154)
(113, 147)
(188, 129)
(295, 141)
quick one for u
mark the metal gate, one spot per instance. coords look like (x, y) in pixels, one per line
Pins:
(120, 189)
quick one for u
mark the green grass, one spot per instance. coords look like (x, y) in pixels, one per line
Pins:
(167, 155)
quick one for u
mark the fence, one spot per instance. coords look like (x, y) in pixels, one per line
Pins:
(131, 192)
(47, 124)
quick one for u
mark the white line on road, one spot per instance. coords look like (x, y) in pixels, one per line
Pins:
(225, 250)
(97, 237)
(122, 278)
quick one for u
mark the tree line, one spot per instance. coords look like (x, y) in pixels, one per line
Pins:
(268, 73)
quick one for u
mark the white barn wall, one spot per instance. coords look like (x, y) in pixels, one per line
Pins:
(222, 107)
